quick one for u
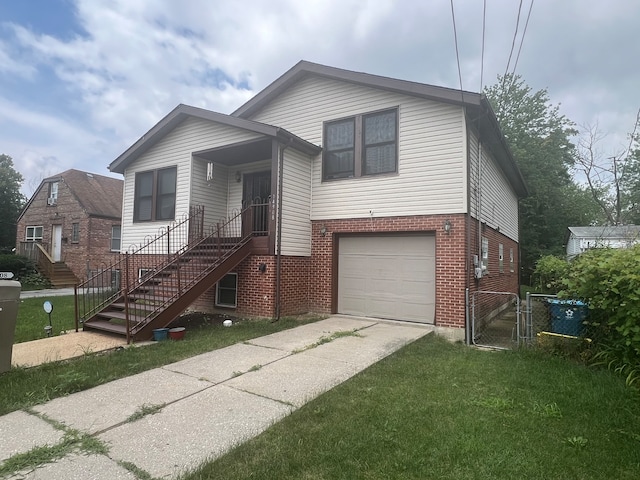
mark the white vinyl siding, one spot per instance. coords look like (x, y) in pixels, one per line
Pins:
(213, 194)
(175, 149)
(498, 201)
(431, 146)
(296, 204)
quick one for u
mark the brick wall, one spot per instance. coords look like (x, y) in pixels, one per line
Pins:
(307, 282)
(93, 247)
(257, 290)
(450, 259)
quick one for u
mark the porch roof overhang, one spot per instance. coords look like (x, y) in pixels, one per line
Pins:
(477, 106)
(182, 112)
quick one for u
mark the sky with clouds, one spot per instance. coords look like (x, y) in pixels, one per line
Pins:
(81, 80)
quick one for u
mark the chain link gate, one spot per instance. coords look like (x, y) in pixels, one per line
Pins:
(495, 319)
(537, 318)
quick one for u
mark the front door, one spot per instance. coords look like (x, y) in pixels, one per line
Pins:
(56, 243)
(256, 192)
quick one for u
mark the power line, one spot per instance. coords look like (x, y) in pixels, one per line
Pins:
(455, 38)
(513, 43)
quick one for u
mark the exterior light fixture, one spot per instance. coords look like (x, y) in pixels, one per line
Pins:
(447, 226)
(323, 231)
(262, 267)
(238, 176)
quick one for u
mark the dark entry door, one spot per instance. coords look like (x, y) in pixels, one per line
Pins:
(256, 192)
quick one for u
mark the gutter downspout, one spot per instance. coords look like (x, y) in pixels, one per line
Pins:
(279, 228)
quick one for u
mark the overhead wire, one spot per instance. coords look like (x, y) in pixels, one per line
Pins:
(524, 32)
(455, 38)
(513, 43)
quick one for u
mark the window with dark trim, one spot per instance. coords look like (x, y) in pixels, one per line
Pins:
(155, 195)
(227, 291)
(361, 145)
(116, 237)
(75, 232)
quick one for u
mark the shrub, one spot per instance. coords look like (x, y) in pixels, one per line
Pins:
(609, 281)
(17, 264)
(549, 274)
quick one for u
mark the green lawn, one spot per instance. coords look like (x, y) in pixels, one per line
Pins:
(440, 411)
(32, 318)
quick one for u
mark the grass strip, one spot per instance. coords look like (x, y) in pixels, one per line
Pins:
(24, 387)
(435, 410)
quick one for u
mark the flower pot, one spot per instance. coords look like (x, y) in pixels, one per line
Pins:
(176, 333)
(160, 334)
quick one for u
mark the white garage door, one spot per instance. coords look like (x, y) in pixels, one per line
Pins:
(387, 277)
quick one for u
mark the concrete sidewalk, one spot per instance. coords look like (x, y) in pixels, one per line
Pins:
(207, 404)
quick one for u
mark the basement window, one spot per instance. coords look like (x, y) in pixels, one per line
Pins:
(227, 291)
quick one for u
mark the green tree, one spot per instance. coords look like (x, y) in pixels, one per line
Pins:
(539, 138)
(11, 202)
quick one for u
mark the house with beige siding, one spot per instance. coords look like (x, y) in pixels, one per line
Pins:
(356, 194)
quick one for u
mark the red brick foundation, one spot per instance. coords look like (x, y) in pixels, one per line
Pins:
(307, 282)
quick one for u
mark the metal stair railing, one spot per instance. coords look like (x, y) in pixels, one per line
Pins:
(105, 285)
(171, 280)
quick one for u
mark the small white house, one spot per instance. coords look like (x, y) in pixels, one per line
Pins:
(582, 239)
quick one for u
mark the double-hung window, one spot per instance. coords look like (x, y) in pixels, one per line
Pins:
(116, 236)
(33, 234)
(361, 145)
(155, 195)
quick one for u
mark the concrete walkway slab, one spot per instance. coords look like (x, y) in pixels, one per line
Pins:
(20, 432)
(310, 333)
(295, 379)
(226, 363)
(369, 345)
(187, 433)
(107, 405)
(62, 347)
(79, 467)
(212, 402)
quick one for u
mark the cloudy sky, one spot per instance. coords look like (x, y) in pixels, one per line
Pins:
(81, 80)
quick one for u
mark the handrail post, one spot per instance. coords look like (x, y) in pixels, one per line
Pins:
(168, 243)
(126, 296)
(75, 298)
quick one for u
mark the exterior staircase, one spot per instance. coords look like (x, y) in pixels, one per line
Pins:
(58, 273)
(168, 283)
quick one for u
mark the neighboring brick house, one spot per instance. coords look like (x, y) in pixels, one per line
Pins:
(75, 217)
(386, 198)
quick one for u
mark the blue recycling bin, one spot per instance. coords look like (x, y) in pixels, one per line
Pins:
(567, 316)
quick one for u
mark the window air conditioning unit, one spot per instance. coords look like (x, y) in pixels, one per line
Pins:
(51, 200)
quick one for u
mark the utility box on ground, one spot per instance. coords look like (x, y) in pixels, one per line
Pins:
(9, 301)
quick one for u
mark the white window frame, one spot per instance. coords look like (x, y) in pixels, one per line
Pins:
(511, 263)
(113, 237)
(501, 258)
(235, 298)
(143, 272)
(53, 193)
(33, 237)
